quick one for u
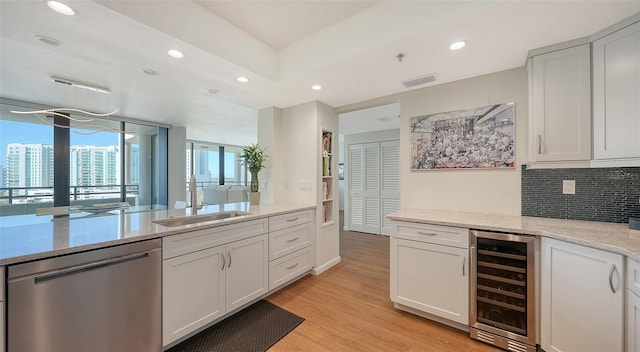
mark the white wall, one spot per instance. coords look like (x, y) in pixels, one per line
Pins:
(176, 155)
(269, 131)
(488, 191)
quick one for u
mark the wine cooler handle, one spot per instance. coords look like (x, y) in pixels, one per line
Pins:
(613, 268)
(539, 144)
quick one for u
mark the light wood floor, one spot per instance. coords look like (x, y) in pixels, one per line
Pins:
(347, 308)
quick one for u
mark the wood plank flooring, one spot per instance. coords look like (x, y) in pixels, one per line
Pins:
(347, 308)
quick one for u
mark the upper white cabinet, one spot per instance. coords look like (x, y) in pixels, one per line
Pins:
(560, 105)
(616, 96)
(582, 298)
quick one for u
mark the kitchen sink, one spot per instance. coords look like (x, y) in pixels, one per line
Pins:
(186, 220)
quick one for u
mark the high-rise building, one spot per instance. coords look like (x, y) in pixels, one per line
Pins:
(95, 166)
(28, 165)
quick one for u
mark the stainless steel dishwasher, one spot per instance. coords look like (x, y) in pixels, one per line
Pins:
(101, 300)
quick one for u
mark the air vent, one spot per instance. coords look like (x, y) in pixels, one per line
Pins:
(420, 80)
(484, 337)
(516, 347)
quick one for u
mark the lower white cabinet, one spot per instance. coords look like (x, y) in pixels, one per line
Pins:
(428, 276)
(633, 305)
(202, 286)
(582, 298)
(286, 268)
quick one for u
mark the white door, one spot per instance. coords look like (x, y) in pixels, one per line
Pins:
(389, 182)
(192, 292)
(431, 278)
(616, 94)
(247, 272)
(356, 192)
(582, 298)
(371, 188)
(561, 105)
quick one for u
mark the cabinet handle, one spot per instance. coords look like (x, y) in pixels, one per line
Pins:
(223, 262)
(539, 144)
(229, 254)
(292, 220)
(463, 264)
(293, 239)
(613, 268)
(427, 233)
(293, 266)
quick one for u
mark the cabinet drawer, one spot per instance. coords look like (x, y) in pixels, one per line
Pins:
(445, 235)
(283, 221)
(190, 242)
(288, 267)
(289, 240)
(633, 275)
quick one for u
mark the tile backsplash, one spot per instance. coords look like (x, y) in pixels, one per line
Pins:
(602, 194)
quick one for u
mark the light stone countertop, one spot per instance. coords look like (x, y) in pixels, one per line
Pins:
(37, 237)
(612, 237)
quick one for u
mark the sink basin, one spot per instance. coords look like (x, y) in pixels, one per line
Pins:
(186, 220)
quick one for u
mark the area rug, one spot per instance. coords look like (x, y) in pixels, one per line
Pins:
(253, 329)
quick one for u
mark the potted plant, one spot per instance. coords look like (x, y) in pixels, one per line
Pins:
(255, 159)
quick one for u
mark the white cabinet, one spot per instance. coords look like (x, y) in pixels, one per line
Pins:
(291, 237)
(246, 272)
(427, 275)
(582, 298)
(633, 306)
(193, 292)
(616, 95)
(209, 273)
(560, 105)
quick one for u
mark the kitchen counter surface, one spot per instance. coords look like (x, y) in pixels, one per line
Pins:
(37, 237)
(612, 237)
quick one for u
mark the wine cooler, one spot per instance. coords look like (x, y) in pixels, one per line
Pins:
(502, 306)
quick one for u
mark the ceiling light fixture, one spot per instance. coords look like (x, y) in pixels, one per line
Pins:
(457, 45)
(60, 112)
(242, 79)
(316, 87)
(61, 8)
(83, 85)
(213, 91)
(48, 40)
(150, 72)
(175, 53)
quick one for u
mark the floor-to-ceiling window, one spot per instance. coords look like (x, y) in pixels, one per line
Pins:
(108, 160)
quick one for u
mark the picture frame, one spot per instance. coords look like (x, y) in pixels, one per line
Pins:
(477, 138)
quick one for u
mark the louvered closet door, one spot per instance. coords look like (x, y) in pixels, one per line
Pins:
(372, 188)
(390, 182)
(356, 192)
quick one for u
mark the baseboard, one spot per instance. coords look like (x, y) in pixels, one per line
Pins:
(317, 270)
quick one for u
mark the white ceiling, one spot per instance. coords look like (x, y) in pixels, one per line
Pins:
(284, 47)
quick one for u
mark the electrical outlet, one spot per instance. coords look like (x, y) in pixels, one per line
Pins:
(568, 186)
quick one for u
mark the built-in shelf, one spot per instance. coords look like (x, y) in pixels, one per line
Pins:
(327, 177)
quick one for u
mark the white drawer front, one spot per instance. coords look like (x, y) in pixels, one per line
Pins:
(283, 221)
(289, 240)
(633, 275)
(445, 235)
(190, 242)
(288, 267)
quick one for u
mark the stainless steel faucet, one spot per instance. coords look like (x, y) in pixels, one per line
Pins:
(193, 188)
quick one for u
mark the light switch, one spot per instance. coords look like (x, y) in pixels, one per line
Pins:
(568, 186)
(305, 185)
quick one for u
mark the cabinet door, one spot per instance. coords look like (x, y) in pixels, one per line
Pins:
(371, 212)
(431, 278)
(193, 292)
(616, 94)
(633, 322)
(356, 187)
(582, 298)
(247, 272)
(561, 106)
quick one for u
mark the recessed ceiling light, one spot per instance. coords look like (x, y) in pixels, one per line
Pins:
(48, 40)
(242, 79)
(457, 45)
(150, 72)
(61, 8)
(316, 87)
(175, 53)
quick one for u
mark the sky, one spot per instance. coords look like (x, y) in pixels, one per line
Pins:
(17, 132)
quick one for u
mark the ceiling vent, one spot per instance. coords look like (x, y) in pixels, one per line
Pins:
(420, 80)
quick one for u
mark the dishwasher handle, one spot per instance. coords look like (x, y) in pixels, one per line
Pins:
(87, 267)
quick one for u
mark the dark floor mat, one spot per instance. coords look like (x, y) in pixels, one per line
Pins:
(254, 329)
